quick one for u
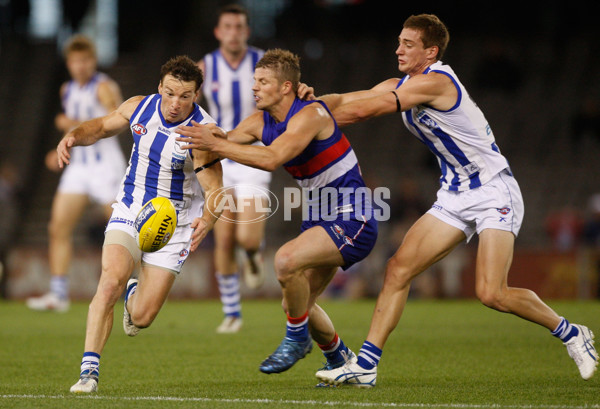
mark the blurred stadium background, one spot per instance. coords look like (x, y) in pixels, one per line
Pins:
(531, 67)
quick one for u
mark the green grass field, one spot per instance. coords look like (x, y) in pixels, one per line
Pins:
(444, 354)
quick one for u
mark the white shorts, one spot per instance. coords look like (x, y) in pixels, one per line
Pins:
(498, 204)
(171, 257)
(243, 178)
(99, 180)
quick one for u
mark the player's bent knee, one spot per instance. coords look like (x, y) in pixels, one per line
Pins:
(143, 319)
(284, 264)
(397, 274)
(57, 231)
(109, 290)
(491, 298)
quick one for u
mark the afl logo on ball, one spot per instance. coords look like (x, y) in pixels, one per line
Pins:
(139, 129)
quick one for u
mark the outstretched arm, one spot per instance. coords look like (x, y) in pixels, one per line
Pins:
(91, 131)
(302, 128)
(335, 100)
(433, 89)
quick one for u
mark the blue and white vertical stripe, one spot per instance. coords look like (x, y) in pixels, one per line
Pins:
(81, 103)
(228, 90)
(460, 137)
(229, 289)
(158, 166)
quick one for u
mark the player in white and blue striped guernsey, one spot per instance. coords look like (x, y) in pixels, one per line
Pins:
(95, 172)
(158, 167)
(227, 91)
(478, 195)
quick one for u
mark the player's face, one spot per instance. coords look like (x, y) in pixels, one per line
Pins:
(81, 65)
(266, 88)
(232, 32)
(412, 54)
(177, 98)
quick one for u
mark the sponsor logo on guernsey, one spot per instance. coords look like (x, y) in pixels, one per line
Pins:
(177, 163)
(337, 230)
(471, 168)
(504, 210)
(214, 86)
(348, 240)
(179, 150)
(164, 130)
(426, 120)
(139, 129)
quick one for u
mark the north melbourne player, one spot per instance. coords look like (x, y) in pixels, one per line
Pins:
(227, 90)
(95, 171)
(478, 194)
(158, 167)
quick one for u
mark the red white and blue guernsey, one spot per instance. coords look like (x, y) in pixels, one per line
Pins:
(460, 137)
(158, 166)
(334, 190)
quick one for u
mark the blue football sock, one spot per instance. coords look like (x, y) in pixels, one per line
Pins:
(59, 285)
(565, 331)
(369, 356)
(90, 364)
(229, 289)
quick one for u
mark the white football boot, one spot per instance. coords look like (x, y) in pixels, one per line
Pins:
(230, 325)
(85, 384)
(48, 302)
(581, 349)
(128, 326)
(350, 373)
(350, 356)
(254, 271)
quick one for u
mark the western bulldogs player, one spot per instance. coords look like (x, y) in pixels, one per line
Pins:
(227, 91)
(340, 230)
(95, 171)
(478, 194)
(158, 167)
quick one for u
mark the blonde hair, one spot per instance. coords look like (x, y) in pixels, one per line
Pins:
(79, 43)
(284, 63)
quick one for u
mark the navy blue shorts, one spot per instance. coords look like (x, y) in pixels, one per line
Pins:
(354, 238)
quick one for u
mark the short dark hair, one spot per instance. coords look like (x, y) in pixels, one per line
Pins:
(183, 68)
(79, 43)
(285, 64)
(433, 31)
(233, 9)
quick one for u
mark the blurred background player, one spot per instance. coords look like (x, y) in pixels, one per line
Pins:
(95, 171)
(227, 90)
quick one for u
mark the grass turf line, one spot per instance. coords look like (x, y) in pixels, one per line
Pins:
(443, 354)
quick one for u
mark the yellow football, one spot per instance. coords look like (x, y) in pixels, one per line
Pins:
(155, 224)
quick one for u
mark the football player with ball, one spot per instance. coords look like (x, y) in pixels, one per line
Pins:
(153, 221)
